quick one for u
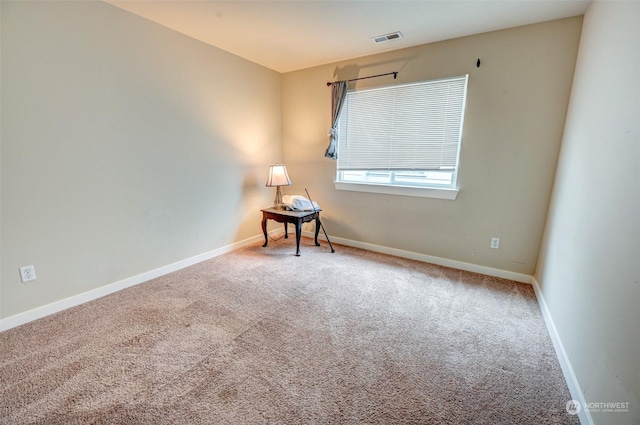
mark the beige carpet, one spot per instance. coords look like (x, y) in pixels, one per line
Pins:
(262, 336)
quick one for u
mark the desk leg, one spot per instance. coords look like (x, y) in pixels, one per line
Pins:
(298, 232)
(317, 229)
(286, 230)
(264, 230)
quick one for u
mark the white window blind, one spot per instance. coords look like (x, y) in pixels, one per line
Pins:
(411, 127)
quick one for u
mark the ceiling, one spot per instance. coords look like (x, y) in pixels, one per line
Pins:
(295, 34)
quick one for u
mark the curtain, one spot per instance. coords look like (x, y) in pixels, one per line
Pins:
(338, 94)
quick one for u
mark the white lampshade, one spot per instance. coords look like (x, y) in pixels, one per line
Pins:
(278, 176)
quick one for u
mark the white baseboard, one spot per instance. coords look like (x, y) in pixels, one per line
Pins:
(57, 306)
(460, 265)
(565, 364)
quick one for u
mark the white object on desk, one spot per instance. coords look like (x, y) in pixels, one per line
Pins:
(298, 203)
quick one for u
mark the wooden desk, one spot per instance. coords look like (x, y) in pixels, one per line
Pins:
(295, 217)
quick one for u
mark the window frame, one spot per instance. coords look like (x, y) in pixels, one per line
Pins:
(429, 189)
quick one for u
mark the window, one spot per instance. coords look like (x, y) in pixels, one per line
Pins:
(405, 136)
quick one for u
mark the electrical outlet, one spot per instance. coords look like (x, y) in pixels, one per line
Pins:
(27, 273)
(495, 243)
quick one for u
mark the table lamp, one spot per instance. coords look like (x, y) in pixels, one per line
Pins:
(278, 177)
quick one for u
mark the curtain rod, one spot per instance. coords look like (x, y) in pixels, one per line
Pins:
(395, 75)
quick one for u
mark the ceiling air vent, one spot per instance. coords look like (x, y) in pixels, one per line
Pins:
(387, 37)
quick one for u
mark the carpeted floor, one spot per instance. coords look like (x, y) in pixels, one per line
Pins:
(262, 336)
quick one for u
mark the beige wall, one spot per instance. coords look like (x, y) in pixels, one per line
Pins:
(589, 268)
(516, 106)
(125, 147)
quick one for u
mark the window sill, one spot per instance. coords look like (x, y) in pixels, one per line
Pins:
(423, 192)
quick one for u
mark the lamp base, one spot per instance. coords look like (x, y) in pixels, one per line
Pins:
(277, 202)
